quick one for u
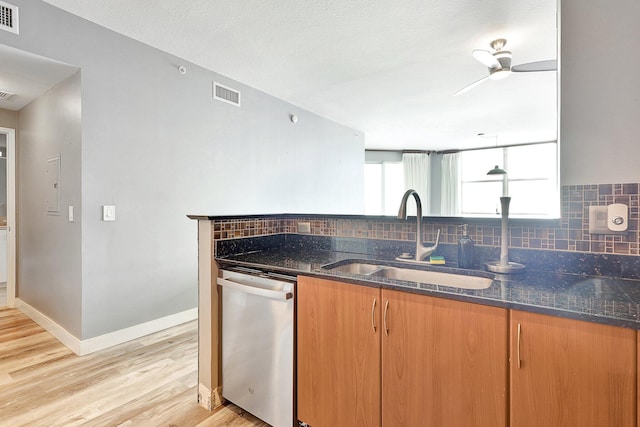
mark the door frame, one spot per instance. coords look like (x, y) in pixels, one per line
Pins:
(11, 215)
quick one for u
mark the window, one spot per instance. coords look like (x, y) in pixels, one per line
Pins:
(531, 180)
(383, 187)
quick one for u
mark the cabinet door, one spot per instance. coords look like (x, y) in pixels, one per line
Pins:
(571, 373)
(444, 363)
(338, 353)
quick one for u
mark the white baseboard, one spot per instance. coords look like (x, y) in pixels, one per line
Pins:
(50, 326)
(140, 330)
(84, 347)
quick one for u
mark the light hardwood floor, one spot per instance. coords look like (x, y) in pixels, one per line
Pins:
(147, 382)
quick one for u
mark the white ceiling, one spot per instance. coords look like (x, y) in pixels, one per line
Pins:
(28, 76)
(387, 68)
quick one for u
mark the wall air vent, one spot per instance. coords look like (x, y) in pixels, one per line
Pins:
(8, 17)
(226, 94)
(6, 96)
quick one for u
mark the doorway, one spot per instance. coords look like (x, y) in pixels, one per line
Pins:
(7, 217)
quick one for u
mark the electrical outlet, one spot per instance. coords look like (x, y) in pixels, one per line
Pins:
(611, 219)
(304, 227)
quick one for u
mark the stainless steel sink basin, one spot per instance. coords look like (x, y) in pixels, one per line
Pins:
(434, 278)
(356, 268)
(452, 279)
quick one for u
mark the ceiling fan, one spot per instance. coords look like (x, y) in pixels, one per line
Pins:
(499, 64)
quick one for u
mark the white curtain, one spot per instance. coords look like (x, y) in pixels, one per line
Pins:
(451, 185)
(416, 176)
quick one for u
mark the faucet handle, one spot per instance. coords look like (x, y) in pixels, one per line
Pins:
(438, 237)
(428, 250)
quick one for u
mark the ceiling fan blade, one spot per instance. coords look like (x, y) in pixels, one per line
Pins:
(548, 65)
(487, 58)
(471, 86)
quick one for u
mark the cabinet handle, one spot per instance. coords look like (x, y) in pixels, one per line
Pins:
(373, 316)
(518, 346)
(386, 310)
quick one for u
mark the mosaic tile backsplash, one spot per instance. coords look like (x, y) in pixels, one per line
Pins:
(571, 235)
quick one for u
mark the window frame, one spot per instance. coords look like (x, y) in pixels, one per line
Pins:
(551, 180)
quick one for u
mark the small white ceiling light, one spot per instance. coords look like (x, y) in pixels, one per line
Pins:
(182, 69)
(293, 118)
(500, 74)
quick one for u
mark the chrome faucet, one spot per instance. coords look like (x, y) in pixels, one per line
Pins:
(421, 250)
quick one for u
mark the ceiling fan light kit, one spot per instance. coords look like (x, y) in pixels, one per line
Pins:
(499, 64)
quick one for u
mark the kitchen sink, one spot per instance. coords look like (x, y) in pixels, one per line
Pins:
(480, 280)
(356, 268)
(454, 280)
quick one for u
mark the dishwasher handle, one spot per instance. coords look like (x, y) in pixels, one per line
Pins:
(267, 293)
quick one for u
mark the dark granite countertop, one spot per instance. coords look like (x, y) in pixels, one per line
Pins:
(439, 219)
(607, 300)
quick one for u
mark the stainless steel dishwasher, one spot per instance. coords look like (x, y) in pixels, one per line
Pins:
(257, 344)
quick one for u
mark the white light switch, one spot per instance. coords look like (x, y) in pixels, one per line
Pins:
(108, 213)
(598, 220)
(70, 213)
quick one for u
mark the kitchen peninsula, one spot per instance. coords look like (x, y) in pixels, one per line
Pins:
(496, 334)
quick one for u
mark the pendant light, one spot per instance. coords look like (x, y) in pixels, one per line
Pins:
(496, 170)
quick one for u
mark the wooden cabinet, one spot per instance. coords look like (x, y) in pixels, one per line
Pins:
(444, 363)
(571, 373)
(414, 361)
(338, 344)
(370, 357)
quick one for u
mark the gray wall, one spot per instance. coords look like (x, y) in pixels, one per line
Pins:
(156, 145)
(49, 246)
(8, 118)
(600, 99)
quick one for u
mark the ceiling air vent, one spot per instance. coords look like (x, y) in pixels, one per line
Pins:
(8, 17)
(226, 94)
(6, 96)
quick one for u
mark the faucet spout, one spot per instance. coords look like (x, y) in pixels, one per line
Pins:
(402, 212)
(422, 251)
